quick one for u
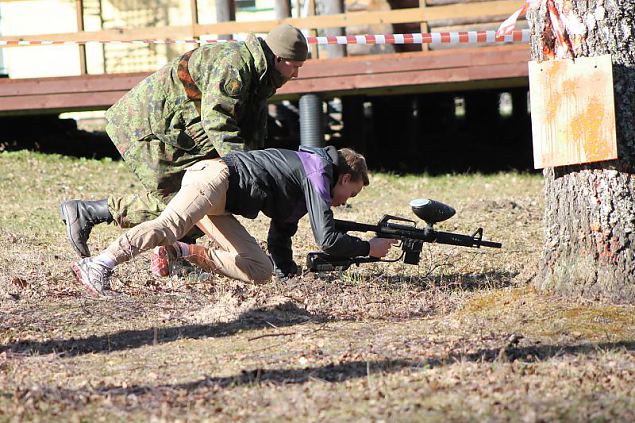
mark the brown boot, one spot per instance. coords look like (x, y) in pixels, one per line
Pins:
(199, 257)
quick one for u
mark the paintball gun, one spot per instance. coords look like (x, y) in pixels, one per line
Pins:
(404, 230)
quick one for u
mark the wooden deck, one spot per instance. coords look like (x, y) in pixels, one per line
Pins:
(443, 70)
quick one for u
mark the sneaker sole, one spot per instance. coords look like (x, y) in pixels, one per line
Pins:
(78, 277)
(64, 213)
(166, 257)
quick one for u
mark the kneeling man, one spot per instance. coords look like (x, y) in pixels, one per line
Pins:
(283, 184)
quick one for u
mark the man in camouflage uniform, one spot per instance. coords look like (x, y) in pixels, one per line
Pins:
(207, 102)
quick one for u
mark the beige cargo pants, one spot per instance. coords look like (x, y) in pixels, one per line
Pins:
(203, 193)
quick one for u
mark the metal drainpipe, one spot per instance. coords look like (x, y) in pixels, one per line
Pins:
(311, 129)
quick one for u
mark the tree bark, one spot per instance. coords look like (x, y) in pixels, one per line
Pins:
(589, 209)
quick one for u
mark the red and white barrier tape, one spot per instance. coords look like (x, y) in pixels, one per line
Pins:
(564, 45)
(446, 38)
(508, 25)
(451, 38)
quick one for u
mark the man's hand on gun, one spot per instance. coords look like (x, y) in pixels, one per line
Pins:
(379, 247)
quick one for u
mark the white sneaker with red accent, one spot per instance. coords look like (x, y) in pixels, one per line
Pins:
(162, 260)
(94, 276)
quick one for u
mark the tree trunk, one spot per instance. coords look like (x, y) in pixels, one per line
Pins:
(589, 209)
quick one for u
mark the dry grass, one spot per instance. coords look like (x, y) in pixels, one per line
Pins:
(462, 337)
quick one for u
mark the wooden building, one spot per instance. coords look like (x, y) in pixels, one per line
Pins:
(417, 95)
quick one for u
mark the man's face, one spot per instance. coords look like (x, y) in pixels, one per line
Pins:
(288, 68)
(345, 188)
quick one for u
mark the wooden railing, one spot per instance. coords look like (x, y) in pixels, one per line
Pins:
(434, 12)
(465, 11)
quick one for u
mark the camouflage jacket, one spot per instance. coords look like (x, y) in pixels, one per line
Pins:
(166, 123)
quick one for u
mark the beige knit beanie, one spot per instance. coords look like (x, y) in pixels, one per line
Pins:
(288, 42)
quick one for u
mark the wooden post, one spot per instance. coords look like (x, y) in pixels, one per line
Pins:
(282, 9)
(194, 12)
(79, 9)
(424, 25)
(225, 11)
(314, 48)
(101, 28)
(334, 7)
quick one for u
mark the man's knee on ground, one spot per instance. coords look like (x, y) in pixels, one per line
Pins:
(261, 278)
(259, 270)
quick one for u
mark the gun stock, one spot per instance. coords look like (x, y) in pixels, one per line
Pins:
(318, 261)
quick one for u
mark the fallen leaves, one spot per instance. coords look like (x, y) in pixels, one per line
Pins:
(19, 282)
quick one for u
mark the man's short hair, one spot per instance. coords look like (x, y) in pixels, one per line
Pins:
(353, 163)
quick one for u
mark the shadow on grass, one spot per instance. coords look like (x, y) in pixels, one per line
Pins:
(287, 314)
(332, 373)
(534, 353)
(457, 281)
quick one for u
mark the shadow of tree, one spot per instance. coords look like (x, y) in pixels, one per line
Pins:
(332, 373)
(286, 314)
(534, 353)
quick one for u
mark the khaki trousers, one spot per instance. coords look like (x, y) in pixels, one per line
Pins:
(203, 192)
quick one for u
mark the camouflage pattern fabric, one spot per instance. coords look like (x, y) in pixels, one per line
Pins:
(130, 210)
(160, 130)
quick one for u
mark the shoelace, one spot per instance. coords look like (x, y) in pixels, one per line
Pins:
(104, 275)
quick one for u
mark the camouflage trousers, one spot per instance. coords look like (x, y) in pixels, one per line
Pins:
(132, 209)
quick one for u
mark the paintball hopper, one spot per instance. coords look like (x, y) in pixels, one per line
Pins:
(431, 211)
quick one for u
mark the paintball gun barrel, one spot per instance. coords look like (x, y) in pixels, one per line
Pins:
(404, 230)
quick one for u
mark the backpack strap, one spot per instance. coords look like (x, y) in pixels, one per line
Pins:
(191, 90)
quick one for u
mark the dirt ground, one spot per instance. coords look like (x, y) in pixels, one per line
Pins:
(461, 337)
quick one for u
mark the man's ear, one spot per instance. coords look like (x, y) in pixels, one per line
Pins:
(344, 179)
